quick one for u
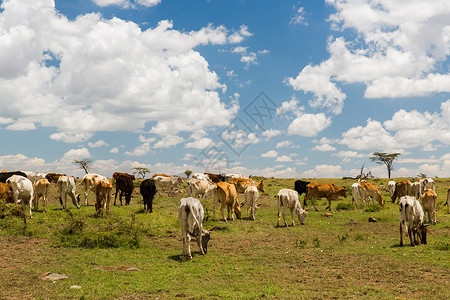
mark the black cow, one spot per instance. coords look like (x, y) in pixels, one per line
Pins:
(300, 187)
(148, 191)
(124, 185)
(5, 175)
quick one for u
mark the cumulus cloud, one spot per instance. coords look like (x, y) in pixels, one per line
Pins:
(127, 3)
(100, 74)
(169, 141)
(140, 150)
(324, 148)
(79, 154)
(271, 153)
(270, 133)
(98, 144)
(309, 124)
(299, 17)
(396, 52)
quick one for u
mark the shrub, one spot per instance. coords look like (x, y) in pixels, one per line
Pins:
(344, 206)
(442, 246)
(372, 208)
(301, 244)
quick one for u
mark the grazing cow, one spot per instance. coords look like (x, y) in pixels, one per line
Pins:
(148, 190)
(124, 185)
(356, 195)
(103, 189)
(325, 190)
(228, 177)
(251, 196)
(40, 190)
(241, 184)
(414, 189)
(426, 183)
(190, 214)
(160, 175)
(168, 182)
(6, 193)
(226, 194)
(289, 199)
(429, 204)
(391, 187)
(300, 187)
(401, 189)
(118, 174)
(5, 175)
(53, 177)
(367, 190)
(66, 186)
(215, 178)
(89, 182)
(411, 212)
(22, 189)
(202, 188)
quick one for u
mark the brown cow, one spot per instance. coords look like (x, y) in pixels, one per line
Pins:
(402, 188)
(215, 178)
(6, 193)
(226, 194)
(117, 174)
(103, 189)
(429, 204)
(324, 190)
(242, 184)
(40, 190)
(162, 175)
(53, 177)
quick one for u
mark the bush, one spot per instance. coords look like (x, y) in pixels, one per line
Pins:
(113, 233)
(344, 206)
(373, 208)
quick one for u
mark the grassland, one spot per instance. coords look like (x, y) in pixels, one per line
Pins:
(338, 257)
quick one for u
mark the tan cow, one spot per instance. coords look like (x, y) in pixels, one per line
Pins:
(103, 189)
(89, 182)
(415, 190)
(251, 196)
(429, 204)
(324, 190)
(402, 188)
(367, 190)
(226, 194)
(6, 193)
(242, 184)
(40, 190)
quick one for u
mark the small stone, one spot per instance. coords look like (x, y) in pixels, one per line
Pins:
(328, 215)
(52, 276)
(372, 219)
(75, 287)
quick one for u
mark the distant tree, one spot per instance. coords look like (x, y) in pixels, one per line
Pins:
(141, 171)
(188, 173)
(385, 158)
(85, 164)
(422, 175)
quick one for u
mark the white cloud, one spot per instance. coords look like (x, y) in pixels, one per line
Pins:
(79, 154)
(169, 141)
(309, 124)
(270, 133)
(299, 17)
(271, 153)
(140, 150)
(396, 51)
(127, 3)
(114, 150)
(21, 126)
(284, 158)
(324, 148)
(286, 144)
(240, 35)
(100, 74)
(98, 144)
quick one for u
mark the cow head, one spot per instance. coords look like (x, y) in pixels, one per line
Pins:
(206, 236)
(260, 186)
(301, 214)
(341, 191)
(379, 199)
(237, 210)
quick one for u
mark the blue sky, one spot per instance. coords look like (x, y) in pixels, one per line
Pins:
(175, 85)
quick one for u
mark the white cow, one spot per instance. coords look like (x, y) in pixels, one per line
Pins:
(415, 189)
(289, 199)
(23, 192)
(429, 204)
(202, 188)
(411, 212)
(200, 176)
(391, 187)
(40, 190)
(66, 186)
(356, 195)
(170, 183)
(251, 196)
(190, 214)
(89, 182)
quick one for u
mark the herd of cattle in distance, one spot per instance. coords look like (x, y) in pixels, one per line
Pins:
(27, 188)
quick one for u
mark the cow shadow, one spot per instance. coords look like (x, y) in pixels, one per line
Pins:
(181, 258)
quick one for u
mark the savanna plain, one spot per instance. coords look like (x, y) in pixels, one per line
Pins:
(131, 254)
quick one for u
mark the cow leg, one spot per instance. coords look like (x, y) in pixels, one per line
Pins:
(410, 235)
(329, 204)
(44, 200)
(279, 212)
(292, 216)
(401, 234)
(188, 246)
(222, 210)
(30, 201)
(115, 197)
(36, 202)
(61, 202)
(199, 243)
(284, 214)
(312, 201)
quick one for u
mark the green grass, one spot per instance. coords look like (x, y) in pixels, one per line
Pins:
(342, 256)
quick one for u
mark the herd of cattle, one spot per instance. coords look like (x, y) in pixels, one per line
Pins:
(27, 188)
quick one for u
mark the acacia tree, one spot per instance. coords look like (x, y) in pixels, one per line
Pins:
(188, 173)
(385, 158)
(141, 171)
(85, 164)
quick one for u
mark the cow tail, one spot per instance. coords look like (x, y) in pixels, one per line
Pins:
(188, 209)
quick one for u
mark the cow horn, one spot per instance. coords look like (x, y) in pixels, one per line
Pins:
(215, 227)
